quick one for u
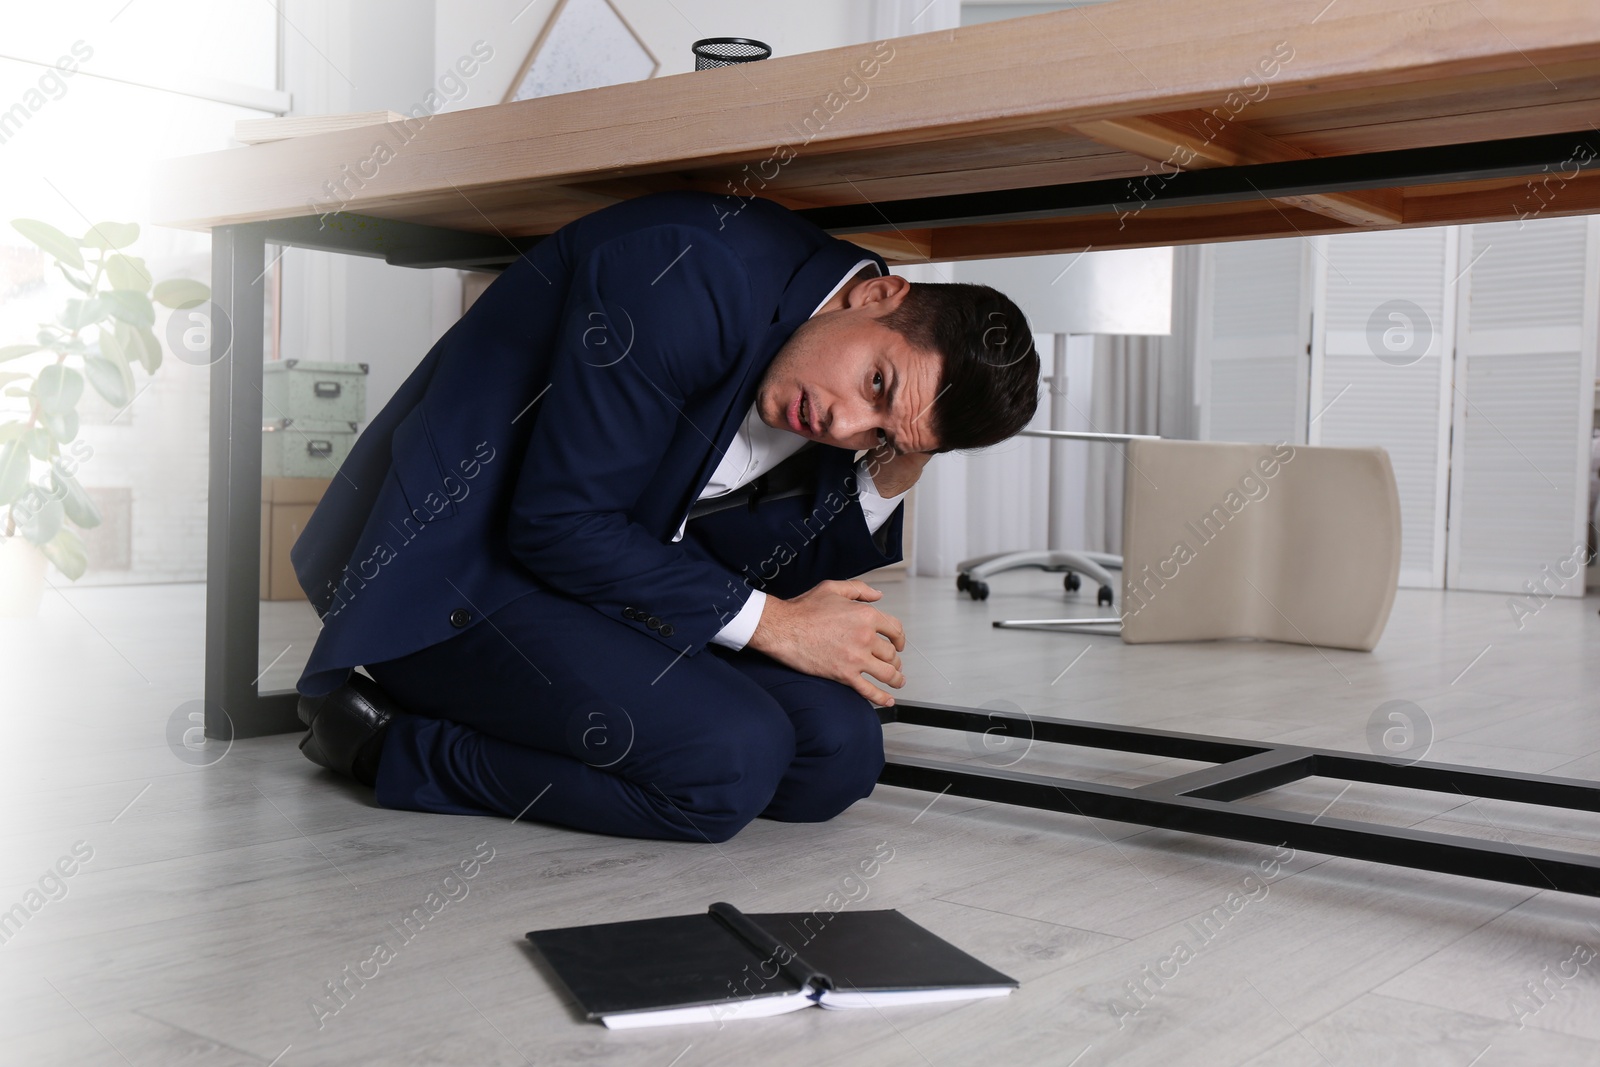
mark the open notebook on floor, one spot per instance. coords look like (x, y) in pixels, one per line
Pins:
(729, 965)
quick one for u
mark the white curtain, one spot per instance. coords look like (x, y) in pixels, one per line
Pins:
(1140, 385)
(1127, 373)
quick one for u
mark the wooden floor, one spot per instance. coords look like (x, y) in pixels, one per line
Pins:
(218, 901)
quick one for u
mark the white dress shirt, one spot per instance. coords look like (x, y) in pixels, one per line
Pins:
(756, 449)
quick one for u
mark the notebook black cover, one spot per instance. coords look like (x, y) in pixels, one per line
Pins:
(672, 962)
(874, 951)
(692, 960)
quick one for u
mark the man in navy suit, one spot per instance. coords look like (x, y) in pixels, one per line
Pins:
(509, 551)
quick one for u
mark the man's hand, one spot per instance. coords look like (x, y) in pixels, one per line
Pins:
(894, 472)
(832, 631)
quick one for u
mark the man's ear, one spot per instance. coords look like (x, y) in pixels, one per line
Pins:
(886, 290)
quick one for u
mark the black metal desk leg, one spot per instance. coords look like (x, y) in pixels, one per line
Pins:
(233, 708)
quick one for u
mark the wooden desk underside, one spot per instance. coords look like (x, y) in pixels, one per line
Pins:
(1120, 91)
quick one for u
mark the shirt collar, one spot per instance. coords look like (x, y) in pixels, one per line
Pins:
(851, 273)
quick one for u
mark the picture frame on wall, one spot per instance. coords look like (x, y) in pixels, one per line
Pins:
(584, 44)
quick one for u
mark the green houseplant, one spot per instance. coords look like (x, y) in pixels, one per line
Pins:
(97, 340)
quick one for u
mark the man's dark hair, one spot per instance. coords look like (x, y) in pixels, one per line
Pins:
(989, 385)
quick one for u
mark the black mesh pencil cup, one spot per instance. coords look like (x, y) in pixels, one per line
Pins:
(728, 51)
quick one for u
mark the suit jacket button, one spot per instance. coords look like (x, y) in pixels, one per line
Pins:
(460, 617)
(666, 629)
(653, 622)
(629, 613)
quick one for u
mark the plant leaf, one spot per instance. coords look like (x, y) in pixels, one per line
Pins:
(79, 507)
(56, 339)
(38, 442)
(13, 351)
(63, 425)
(131, 307)
(110, 344)
(77, 282)
(111, 378)
(13, 471)
(66, 551)
(42, 521)
(182, 292)
(149, 351)
(127, 272)
(81, 313)
(111, 235)
(58, 388)
(140, 344)
(52, 240)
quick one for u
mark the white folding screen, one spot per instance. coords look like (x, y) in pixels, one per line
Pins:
(1380, 371)
(1468, 353)
(1252, 341)
(1525, 368)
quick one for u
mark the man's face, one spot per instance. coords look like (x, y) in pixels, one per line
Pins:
(844, 379)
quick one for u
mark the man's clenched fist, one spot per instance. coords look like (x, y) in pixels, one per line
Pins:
(833, 631)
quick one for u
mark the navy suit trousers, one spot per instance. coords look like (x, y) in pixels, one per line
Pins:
(549, 711)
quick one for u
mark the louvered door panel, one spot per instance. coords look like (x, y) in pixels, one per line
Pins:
(1525, 367)
(1380, 372)
(1252, 338)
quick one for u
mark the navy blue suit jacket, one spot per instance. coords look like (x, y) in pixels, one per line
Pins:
(557, 435)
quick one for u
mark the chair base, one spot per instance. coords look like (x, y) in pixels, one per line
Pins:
(972, 574)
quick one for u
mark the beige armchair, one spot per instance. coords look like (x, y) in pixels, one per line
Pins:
(1282, 542)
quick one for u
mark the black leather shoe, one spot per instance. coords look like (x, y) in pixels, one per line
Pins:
(347, 728)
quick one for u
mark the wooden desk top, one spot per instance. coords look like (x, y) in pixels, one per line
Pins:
(1132, 89)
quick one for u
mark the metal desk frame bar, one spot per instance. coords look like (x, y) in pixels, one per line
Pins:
(1203, 802)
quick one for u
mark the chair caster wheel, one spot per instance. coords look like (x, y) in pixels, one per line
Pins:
(1072, 582)
(1104, 597)
(978, 589)
(962, 582)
